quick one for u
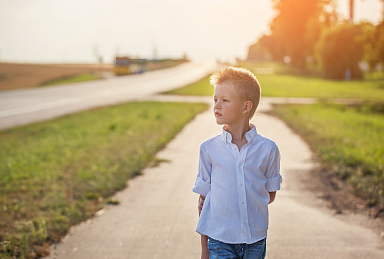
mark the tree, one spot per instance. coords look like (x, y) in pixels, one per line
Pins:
(380, 43)
(270, 44)
(297, 27)
(257, 53)
(374, 45)
(341, 50)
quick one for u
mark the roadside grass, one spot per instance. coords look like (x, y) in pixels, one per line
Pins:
(164, 63)
(348, 141)
(72, 79)
(286, 81)
(298, 86)
(278, 68)
(58, 173)
(277, 80)
(200, 87)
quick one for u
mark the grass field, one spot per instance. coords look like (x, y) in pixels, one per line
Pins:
(288, 82)
(200, 87)
(296, 86)
(73, 79)
(18, 76)
(57, 173)
(279, 81)
(348, 140)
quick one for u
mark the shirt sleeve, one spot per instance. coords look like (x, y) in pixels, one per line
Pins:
(203, 180)
(273, 175)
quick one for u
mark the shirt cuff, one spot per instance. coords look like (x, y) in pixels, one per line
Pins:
(201, 187)
(273, 184)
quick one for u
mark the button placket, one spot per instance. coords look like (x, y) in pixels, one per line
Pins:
(242, 194)
(247, 231)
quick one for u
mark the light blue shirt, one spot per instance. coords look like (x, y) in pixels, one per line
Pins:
(236, 186)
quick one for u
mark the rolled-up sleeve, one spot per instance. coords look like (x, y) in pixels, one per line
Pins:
(203, 180)
(274, 178)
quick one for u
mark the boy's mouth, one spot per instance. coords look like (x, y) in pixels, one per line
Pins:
(218, 114)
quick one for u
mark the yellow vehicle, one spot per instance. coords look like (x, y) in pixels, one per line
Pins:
(126, 66)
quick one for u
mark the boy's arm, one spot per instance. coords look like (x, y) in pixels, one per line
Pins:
(204, 238)
(202, 187)
(204, 247)
(272, 196)
(273, 176)
(200, 203)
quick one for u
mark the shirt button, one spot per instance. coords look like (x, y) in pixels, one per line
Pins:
(241, 184)
(242, 202)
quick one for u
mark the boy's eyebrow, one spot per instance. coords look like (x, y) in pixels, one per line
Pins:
(222, 96)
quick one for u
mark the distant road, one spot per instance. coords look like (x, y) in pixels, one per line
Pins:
(20, 107)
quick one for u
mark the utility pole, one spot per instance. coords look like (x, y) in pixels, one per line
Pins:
(351, 4)
(348, 72)
(154, 49)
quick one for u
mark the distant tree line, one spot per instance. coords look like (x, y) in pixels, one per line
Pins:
(310, 33)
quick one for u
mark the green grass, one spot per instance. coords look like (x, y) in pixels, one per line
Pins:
(73, 79)
(287, 82)
(298, 86)
(348, 140)
(200, 87)
(57, 173)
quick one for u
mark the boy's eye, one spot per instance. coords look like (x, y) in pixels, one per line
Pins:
(225, 100)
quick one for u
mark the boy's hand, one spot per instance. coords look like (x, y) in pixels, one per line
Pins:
(200, 204)
(204, 247)
(272, 196)
(204, 238)
(204, 255)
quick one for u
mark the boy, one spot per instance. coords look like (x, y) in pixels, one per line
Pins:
(239, 173)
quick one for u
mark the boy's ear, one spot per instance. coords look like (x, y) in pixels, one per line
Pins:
(247, 107)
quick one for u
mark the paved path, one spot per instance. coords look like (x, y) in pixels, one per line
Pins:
(20, 107)
(157, 214)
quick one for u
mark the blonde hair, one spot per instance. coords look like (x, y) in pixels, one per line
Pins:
(243, 81)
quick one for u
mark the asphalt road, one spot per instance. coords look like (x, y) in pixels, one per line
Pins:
(157, 213)
(20, 107)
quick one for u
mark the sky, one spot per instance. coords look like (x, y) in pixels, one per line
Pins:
(77, 31)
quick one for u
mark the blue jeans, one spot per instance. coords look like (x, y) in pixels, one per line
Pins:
(220, 250)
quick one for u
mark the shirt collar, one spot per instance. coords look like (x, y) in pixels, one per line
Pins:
(249, 136)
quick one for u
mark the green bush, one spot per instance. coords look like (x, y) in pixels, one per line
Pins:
(340, 50)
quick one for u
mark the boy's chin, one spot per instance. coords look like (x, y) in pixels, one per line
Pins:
(219, 122)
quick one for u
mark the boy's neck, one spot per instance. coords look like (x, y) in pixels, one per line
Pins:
(238, 131)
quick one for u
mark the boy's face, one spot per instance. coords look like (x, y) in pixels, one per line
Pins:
(229, 105)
